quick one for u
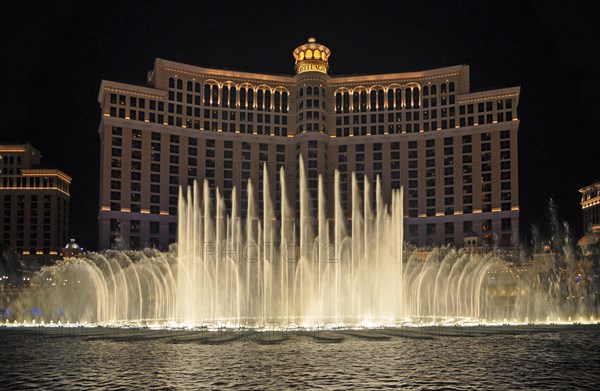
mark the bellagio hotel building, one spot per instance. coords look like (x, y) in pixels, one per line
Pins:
(453, 151)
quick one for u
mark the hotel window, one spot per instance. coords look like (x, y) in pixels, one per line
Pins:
(416, 98)
(467, 227)
(431, 230)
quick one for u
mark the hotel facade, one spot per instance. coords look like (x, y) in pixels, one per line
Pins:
(34, 203)
(453, 151)
(590, 206)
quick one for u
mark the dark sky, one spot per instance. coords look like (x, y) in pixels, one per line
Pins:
(56, 57)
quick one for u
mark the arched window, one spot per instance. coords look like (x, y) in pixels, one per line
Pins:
(390, 95)
(284, 102)
(346, 106)
(190, 86)
(373, 100)
(197, 87)
(416, 97)
(267, 100)
(171, 82)
(250, 99)
(355, 101)
(277, 102)
(260, 99)
(309, 90)
(338, 102)
(323, 92)
(433, 89)
(207, 94)
(408, 98)
(232, 101)
(225, 96)
(443, 88)
(242, 98)
(425, 91)
(215, 95)
(398, 98)
(451, 86)
(301, 92)
(363, 101)
(179, 84)
(380, 100)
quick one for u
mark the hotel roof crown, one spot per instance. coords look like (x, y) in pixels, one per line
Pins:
(312, 57)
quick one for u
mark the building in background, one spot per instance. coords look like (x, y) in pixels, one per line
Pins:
(34, 203)
(452, 150)
(590, 206)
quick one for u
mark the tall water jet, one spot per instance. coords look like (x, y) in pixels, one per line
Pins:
(270, 272)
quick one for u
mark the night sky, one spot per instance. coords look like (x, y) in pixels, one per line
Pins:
(59, 53)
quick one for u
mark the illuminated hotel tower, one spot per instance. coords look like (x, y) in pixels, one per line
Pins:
(34, 202)
(453, 151)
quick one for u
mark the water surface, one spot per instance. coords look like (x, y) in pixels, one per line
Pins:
(76, 358)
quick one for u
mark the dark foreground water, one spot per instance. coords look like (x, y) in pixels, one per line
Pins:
(506, 358)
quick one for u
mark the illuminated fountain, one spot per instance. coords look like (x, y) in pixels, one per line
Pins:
(255, 270)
